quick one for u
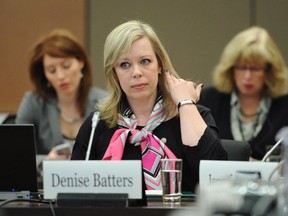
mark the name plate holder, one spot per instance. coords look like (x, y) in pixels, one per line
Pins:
(92, 183)
(92, 200)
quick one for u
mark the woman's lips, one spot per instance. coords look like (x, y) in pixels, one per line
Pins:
(248, 86)
(64, 85)
(139, 86)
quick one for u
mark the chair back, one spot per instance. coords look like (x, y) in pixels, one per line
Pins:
(237, 150)
(7, 118)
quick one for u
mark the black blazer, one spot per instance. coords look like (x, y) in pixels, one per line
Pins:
(219, 104)
(209, 146)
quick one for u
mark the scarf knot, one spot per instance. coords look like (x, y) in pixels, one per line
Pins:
(138, 137)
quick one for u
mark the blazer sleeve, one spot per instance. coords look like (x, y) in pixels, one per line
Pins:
(28, 111)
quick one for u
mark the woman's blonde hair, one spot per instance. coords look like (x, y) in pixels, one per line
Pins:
(118, 43)
(253, 45)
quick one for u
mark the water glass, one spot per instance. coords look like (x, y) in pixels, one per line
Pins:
(171, 174)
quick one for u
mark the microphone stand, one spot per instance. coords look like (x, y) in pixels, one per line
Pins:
(95, 120)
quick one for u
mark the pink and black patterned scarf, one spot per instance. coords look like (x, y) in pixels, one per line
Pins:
(153, 149)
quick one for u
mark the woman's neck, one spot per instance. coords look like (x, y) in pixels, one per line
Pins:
(249, 106)
(67, 100)
(68, 106)
(142, 109)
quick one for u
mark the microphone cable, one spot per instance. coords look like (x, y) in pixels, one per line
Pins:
(275, 169)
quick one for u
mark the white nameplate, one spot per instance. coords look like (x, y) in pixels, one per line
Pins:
(72, 176)
(212, 171)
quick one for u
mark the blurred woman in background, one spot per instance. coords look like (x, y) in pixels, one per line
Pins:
(63, 95)
(249, 98)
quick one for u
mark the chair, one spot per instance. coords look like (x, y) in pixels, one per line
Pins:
(237, 150)
(9, 119)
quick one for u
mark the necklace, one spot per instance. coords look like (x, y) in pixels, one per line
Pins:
(69, 120)
(248, 115)
(255, 125)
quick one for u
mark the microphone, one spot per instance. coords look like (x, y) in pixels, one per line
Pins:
(271, 150)
(95, 120)
(283, 134)
(281, 137)
(283, 190)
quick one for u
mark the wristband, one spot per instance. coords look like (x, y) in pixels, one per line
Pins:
(185, 101)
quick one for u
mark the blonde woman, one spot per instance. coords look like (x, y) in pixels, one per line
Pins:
(249, 98)
(151, 113)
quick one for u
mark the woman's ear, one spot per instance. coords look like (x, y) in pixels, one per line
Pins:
(81, 65)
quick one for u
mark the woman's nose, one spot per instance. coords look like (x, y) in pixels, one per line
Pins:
(137, 72)
(60, 74)
(247, 73)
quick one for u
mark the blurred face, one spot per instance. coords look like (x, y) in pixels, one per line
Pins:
(64, 74)
(138, 70)
(249, 79)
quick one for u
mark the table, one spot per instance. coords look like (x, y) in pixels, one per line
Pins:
(152, 209)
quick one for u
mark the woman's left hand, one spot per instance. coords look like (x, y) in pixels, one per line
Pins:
(53, 155)
(181, 89)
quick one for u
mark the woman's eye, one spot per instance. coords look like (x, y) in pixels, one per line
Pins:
(145, 61)
(66, 64)
(124, 65)
(51, 70)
